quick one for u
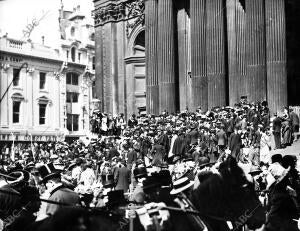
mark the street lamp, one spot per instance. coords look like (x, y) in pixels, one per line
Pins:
(22, 66)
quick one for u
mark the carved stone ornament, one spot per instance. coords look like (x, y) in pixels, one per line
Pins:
(109, 13)
(114, 12)
(5, 66)
(135, 15)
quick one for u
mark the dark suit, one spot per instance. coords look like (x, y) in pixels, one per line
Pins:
(164, 141)
(295, 121)
(277, 123)
(282, 210)
(131, 158)
(158, 152)
(63, 195)
(179, 147)
(122, 178)
(234, 144)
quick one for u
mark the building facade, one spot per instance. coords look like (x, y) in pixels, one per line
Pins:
(171, 55)
(46, 93)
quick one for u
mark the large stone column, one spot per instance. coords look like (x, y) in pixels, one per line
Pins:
(236, 24)
(215, 51)
(276, 54)
(256, 49)
(166, 56)
(198, 53)
(184, 59)
(151, 33)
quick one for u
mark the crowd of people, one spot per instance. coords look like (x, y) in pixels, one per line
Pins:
(129, 158)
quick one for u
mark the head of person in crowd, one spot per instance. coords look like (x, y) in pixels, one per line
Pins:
(50, 176)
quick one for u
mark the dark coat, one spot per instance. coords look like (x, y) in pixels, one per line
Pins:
(158, 152)
(221, 137)
(294, 118)
(122, 178)
(131, 157)
(194, 136)
(179, 147)
(165, 141)
(282, 210)
(234, 144)
(277, 123)
(63, 195)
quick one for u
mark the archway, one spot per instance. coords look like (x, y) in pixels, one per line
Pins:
(136, 73)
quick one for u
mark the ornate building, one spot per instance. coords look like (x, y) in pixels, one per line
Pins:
(46, 93)
(170, 55)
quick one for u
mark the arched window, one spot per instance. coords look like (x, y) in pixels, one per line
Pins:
(73, 54)
(139, 45)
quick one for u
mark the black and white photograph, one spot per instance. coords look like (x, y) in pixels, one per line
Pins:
(149, 115)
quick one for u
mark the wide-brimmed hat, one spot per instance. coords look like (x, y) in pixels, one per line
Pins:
(17, 177)
(48, 171)
(180, 185)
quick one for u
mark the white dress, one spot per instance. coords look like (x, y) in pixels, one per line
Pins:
(265, 143)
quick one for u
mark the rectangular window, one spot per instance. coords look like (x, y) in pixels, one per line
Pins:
(79, 56)
(75, 122)
(72, 122)
(69, 97)
(67, 55)
(16, 77)
(43, 113)
(75, 97)
(69, 122)
(69, 79)
(16, 111)
(94, 92)
(72, 97)
(72, 78)
(42, 80)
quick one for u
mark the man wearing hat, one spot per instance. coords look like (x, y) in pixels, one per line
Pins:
(58, 192)
(235, 143)
(122, 177)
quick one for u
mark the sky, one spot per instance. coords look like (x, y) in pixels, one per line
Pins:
(16, 14)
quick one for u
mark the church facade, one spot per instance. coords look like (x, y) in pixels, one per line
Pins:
(156, 55)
